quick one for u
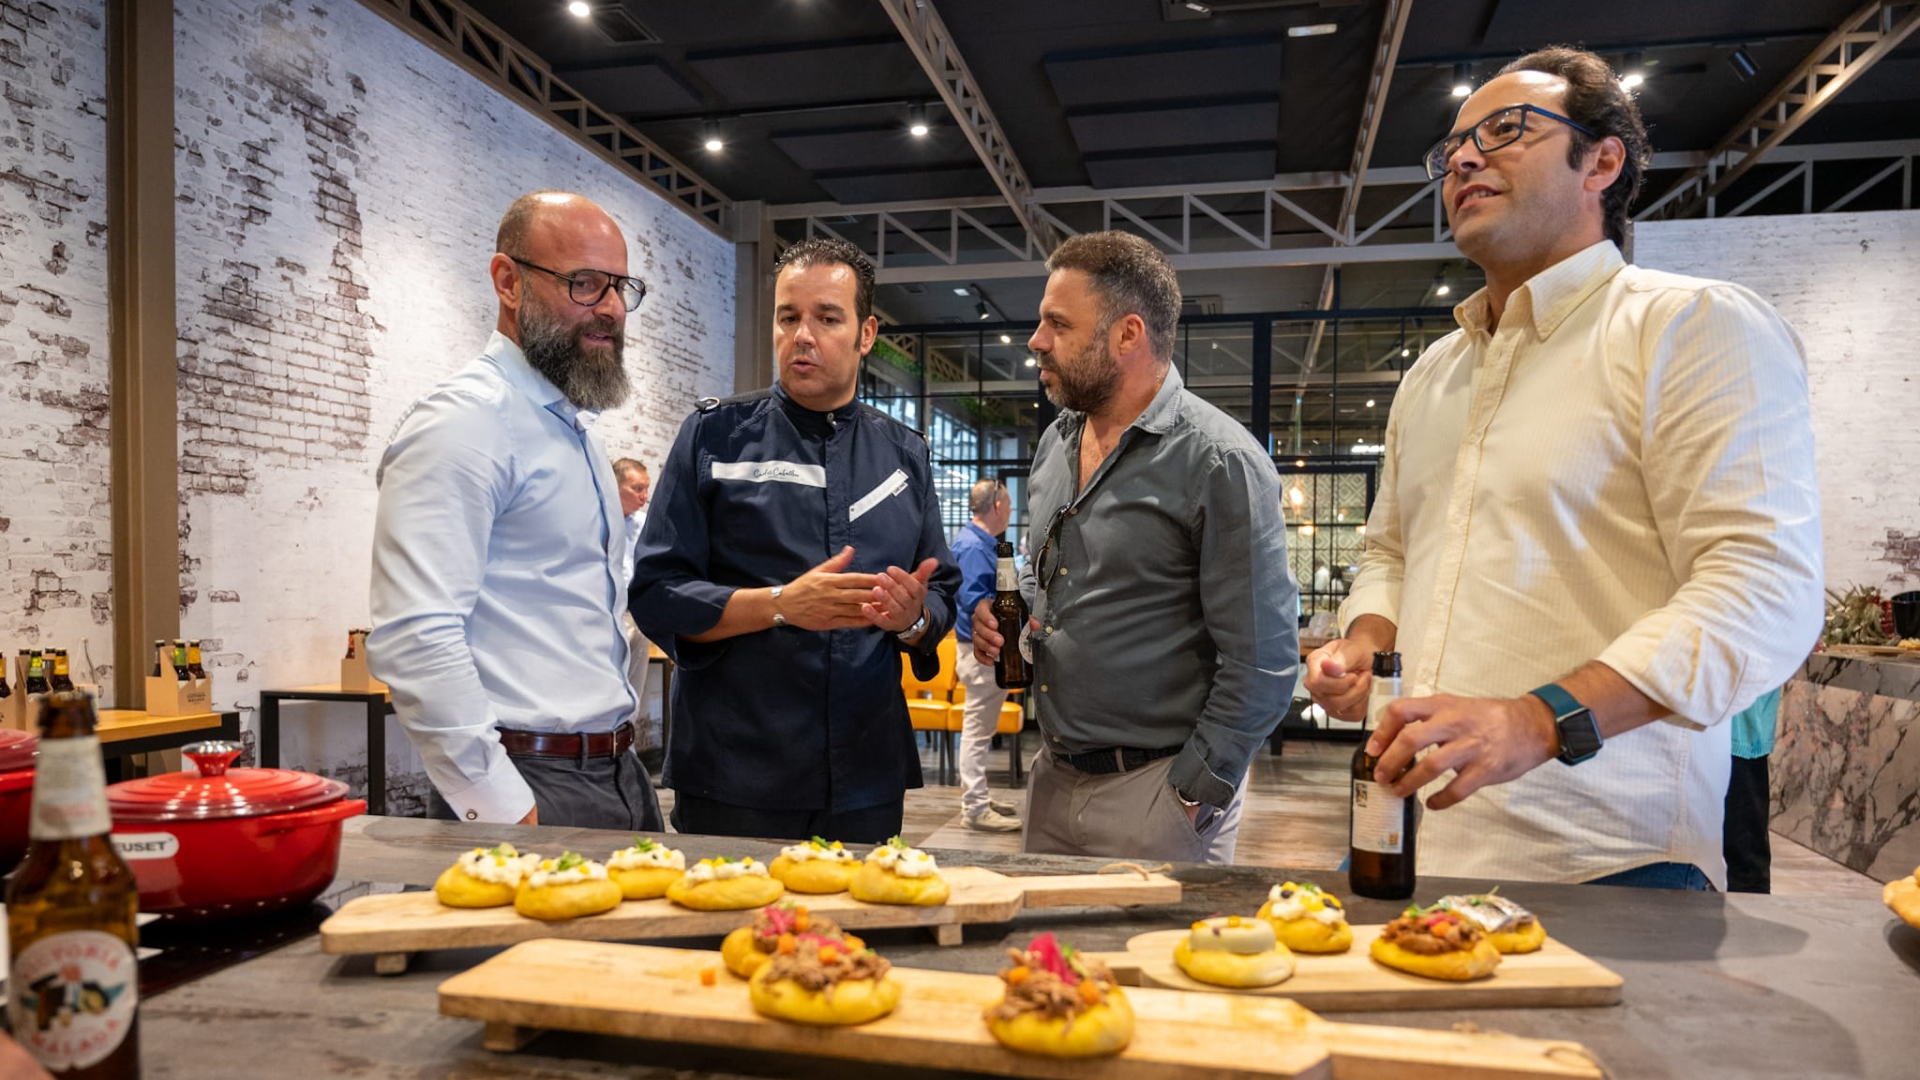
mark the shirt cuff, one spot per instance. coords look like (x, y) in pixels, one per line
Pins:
(1672, 662)
(501, 797)
(1195, 782)
(1369, 600)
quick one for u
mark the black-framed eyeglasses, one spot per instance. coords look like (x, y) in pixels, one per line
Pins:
(1502, 127)
(1053, 533)
(586, 287)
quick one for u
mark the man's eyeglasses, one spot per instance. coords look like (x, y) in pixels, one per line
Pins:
(1053, 533)
(586, 287)
(1498, 129)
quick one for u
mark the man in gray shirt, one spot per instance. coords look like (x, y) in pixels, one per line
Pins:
(1164, 638)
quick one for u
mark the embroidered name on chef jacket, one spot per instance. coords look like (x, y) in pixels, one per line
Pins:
(772, 472)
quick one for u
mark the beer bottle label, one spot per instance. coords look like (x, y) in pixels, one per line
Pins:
(1026, 641)
(69, 791)
(1005, 577)
(1378, 815)
(71, 996)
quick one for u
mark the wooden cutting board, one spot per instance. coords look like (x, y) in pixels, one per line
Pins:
(1353, 981)
(395, 924)
(645, 992)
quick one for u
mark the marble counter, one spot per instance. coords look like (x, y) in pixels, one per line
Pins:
(1846, 768)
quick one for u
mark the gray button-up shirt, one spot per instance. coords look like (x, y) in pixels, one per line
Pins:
(1167, 613)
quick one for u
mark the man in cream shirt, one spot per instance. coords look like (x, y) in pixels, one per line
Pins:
(1597, 532)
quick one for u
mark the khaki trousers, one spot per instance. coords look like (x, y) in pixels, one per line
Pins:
(1131, 815)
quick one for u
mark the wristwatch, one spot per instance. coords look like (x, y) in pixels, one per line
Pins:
(1579, 733)
(919, 625)
(774, 595)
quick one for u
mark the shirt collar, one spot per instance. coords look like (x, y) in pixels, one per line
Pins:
(1546, 298)
(512, 363)
(813, 420)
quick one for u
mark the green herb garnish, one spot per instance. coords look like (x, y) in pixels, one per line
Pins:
(568, 861)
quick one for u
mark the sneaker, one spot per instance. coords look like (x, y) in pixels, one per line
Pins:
(991, 820)
(1005, 809)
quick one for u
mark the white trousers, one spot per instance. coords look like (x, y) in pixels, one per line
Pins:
(980, 718)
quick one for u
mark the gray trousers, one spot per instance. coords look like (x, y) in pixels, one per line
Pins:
(1131, 815)
(597, 793)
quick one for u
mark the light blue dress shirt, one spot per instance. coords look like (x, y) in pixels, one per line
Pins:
(496, 579)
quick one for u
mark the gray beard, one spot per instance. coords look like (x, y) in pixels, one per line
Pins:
(591, 383)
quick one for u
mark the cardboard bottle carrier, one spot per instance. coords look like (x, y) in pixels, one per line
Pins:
(167, 696)
(16, 710)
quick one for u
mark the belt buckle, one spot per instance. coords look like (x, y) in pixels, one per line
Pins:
(1120, 759)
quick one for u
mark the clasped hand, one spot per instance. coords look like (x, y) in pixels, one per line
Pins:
(828, 598)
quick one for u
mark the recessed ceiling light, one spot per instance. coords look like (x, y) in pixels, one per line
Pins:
(1443, 289)
(917, 122)
(1313, 29)
(580, 9)
(1369, 403)
(1300, 463)
(1197, 7)
(1632, 79)
(1006, 339)
(981, 309)
(918, 131)
(960, 290)
(1033, 361)
(1462, 80)
(1406, 353)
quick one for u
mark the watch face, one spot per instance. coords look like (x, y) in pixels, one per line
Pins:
(1579, 736)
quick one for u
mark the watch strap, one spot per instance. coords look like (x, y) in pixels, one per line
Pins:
(1579, 733)
(1561, 702)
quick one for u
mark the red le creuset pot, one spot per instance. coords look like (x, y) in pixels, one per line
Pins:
(225, 842)
(17, 752)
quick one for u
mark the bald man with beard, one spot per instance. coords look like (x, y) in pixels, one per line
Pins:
(497, 555)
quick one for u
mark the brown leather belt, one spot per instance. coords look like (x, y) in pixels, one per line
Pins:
(547, 744)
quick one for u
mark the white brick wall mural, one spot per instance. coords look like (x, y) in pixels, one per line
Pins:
(56, 526)
(339, 187)
(1847, 283)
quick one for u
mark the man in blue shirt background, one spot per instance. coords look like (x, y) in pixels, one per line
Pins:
(498, 545)
(973, 550)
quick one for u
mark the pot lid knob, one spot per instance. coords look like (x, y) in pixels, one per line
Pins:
(211, 757)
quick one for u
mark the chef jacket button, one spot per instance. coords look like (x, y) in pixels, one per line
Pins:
(472, 814)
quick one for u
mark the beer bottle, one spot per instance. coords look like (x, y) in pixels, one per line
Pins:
(160, 659)
(1382, 827)
(36, 673)
(1014, 669)
(193, 660)
(73, 983)
(180, 660)
(352, 636)
(5, 690)
(59, 680)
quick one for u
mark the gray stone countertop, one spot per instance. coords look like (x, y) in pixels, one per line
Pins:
(1883, 676)
(1736, 987)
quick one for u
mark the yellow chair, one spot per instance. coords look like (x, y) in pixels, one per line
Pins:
(1013, 720)
(930, 705)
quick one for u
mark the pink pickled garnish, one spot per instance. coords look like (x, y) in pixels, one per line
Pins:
(780, 919)
(1045, 952)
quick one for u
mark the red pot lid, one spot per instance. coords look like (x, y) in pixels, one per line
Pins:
(17, 749)
(218, 791)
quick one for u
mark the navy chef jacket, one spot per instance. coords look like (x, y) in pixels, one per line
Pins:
(757, 491)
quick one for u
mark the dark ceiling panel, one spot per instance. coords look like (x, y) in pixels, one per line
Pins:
(829, 74)
(1176, 71)
(643, 87)
(880, 147)
(1196, 166)
(1147, 128)
(918, 184)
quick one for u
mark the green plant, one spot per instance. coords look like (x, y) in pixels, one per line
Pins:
(1855, 618)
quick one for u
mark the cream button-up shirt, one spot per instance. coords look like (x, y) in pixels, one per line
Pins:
(1623, 470)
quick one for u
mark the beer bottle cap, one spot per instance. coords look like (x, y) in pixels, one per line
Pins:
(1386, 665)
(1003, 549)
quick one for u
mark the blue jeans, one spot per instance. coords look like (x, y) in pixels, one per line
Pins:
(1661, 875)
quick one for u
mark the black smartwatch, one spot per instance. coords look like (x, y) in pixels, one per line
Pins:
(1579, 734)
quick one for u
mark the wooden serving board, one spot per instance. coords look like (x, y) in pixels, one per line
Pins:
(1352, 981)
(395, 924)
(654, 993)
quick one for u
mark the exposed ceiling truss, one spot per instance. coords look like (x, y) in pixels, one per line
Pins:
(1393, 30)
(1867, 35)
(454, 31)
(937, 240)
(933, 46)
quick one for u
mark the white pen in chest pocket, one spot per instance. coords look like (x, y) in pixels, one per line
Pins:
(887, 489)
